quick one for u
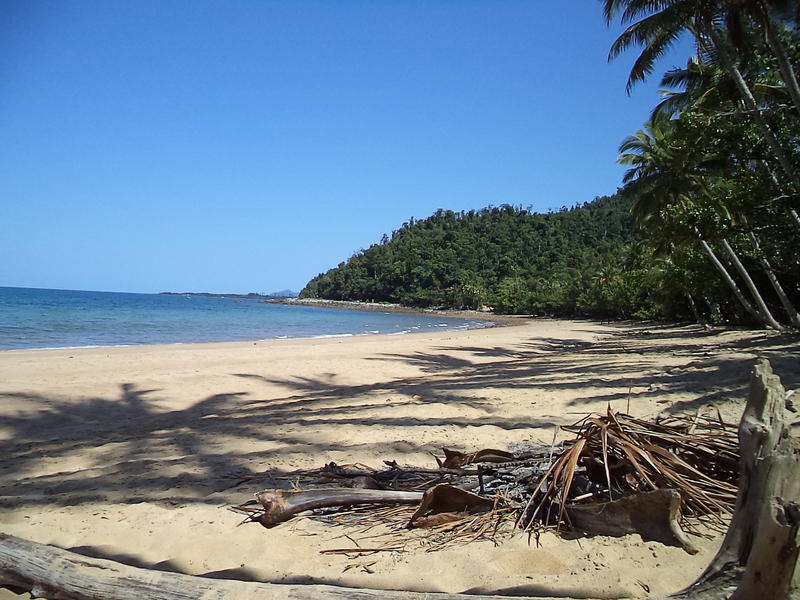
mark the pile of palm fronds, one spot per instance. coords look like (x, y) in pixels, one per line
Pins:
(617, 455)
(613, 456)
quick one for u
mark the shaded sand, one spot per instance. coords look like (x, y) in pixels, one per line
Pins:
(135, 453)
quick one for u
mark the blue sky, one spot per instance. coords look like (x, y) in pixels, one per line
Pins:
(243, 145)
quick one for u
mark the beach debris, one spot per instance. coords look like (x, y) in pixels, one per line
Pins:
(616, 455)
(757, 558)
(460, 504)
(281, 505)
(760, 550)
(454, 459)
(653, 515)
(445, 503)
(619, 475)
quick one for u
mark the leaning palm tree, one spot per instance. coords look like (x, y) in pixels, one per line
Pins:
(667, 181)
(704, 86)
(791, 311)
(771, 16)
(657, 25)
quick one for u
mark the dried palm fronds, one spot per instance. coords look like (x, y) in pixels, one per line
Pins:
(619, 454)
(385, 529)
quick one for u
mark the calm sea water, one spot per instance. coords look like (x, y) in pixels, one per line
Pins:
(36, 318)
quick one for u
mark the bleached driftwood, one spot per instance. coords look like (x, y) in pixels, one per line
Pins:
(282, 505)
(50, 572)
(761, 545)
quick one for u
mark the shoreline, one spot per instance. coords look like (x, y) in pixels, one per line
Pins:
(268, 342)
(258, 340)
(499, 320)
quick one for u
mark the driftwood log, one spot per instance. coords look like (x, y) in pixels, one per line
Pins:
(757, 558)
(49, 572)
(761, 545)
(282, 505)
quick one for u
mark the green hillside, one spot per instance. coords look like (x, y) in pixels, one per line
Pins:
(563, 263)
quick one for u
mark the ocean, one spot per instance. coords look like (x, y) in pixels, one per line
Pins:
(41, 318)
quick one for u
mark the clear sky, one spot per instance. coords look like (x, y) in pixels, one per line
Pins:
(247, 145)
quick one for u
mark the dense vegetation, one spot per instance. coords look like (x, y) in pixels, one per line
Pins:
(713, 186)
(714, 173)
(502, 256)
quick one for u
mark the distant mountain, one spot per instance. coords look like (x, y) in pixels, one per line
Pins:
(280, 294)
(283, 294)
(213, 295)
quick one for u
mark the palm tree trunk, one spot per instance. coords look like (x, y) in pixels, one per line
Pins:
(752, 106)
(789, 76)
(793, 216)
(730, 281)
(693, 307)
(794, 318)
(765, 315)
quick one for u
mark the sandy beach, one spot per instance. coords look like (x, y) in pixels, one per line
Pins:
(136, 453)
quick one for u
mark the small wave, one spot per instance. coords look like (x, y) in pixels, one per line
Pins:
(73, 347)
(331, 335)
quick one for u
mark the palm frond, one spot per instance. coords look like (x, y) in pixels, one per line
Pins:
(697, 456)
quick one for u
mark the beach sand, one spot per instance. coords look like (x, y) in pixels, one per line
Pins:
(136, 453)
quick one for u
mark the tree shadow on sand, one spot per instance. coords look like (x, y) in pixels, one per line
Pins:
(68, 451)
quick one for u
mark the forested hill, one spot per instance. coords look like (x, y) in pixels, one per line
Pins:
(505, 257)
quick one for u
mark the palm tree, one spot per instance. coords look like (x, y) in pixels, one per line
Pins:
(768, 14)
(656, 26)
(697, 86)
(666, 181)
(705, 88)
(791, 311)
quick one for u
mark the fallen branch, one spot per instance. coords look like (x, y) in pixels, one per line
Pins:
(282, 505)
